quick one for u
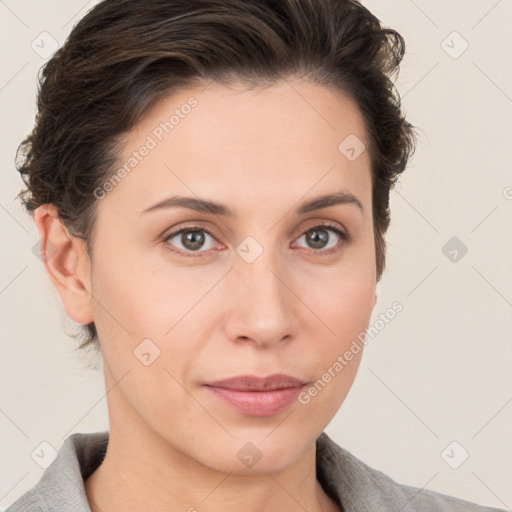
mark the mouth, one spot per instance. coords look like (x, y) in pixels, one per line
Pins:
(257, 396)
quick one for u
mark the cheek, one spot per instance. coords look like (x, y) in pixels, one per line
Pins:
(344, 298)
(346, 308)
(344, 303)
(347, 311)
(136, 302)
(141, 318)
(351, 305)
(133, 298)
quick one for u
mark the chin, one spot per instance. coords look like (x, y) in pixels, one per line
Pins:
(258, 454)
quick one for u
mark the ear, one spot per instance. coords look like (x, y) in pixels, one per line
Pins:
(67, 263)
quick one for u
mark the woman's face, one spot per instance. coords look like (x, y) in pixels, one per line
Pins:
(260, 291)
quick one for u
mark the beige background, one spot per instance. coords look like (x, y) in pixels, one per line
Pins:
(439, 372)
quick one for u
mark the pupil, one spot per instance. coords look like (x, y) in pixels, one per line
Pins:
(318, 238)
(192, 239)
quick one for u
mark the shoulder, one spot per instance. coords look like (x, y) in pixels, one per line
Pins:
(29, 502)
(61, 486)
(362, 488)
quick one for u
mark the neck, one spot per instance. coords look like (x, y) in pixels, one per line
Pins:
(141, 471)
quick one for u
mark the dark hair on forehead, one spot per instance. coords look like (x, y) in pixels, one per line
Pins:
(125, 55)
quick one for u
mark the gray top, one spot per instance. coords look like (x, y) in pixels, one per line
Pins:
(355, 486)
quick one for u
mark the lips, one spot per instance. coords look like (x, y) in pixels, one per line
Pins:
(253, 383)
(257, 396)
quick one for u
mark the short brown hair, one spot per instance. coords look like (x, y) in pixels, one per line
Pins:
(125, 55)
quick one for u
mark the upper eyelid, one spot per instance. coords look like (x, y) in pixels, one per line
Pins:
(177, 231)
(314, 223)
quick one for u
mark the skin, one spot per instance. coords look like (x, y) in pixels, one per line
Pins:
(213, 315)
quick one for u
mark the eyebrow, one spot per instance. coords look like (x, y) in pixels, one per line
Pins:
(213, 208)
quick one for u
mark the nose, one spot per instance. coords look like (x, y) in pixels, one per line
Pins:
(262, 305)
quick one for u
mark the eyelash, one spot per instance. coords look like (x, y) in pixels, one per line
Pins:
(345, 237)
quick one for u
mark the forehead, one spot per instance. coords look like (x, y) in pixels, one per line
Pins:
(284, 139)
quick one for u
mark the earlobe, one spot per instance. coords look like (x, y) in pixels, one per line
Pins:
(67, 263)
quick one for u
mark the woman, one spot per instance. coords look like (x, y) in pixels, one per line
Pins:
(211, 179)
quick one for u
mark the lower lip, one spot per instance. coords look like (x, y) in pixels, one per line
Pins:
(258, 403)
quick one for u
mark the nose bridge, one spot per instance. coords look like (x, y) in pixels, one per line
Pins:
(263, 280)
(262, 305)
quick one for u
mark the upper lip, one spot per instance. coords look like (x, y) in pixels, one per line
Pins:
(254, 383)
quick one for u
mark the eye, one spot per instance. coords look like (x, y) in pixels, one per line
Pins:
(190, 239)
(321, 240)
(197, 239)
